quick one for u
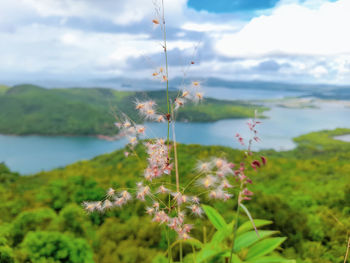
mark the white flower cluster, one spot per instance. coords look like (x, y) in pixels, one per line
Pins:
(158, 160)
(147, 110)
(131, 130)
(192, 93)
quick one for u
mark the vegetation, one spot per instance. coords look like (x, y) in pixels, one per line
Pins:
(3, 89)
(28, 109)
(304, 192)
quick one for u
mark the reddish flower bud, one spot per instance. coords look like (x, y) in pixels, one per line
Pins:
(263, 159)
(256, 163)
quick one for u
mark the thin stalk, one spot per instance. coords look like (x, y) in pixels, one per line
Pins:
(205, 237)
(167, 233)
(168, 106)
(235, 226)
(194, 254)
(193, 180)
(176, 170)
(347, 251)
(166, 71)
(175, 156)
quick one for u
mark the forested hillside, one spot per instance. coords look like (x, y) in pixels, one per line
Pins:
(28, 109)
(305, 192)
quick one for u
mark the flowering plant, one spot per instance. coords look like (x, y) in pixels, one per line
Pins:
(169, 200)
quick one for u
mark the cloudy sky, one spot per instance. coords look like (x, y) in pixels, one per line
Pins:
(302, 41)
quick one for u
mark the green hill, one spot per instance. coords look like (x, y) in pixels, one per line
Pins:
(3, 89)
(29, 109)
(306, 192)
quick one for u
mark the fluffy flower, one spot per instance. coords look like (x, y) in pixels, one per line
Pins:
(196, 210)
(204, 167)
(125, 195)
(107, 205)
(208, 181)
(162, 190)
(110, 192)
(178, 197)
(92, 206)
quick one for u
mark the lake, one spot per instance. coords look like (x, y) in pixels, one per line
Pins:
(31, 154)
(344, 138)
(223, 93)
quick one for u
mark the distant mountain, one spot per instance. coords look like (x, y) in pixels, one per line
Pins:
(129, 84)
(315, 90)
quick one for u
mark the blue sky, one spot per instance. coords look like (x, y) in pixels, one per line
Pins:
(227, 6)
(80, 41)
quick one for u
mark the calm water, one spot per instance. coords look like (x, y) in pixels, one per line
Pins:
(223, 93)
(344, 138)
(30, 154)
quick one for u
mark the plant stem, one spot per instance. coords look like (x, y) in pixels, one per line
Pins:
(347, 250)
(168, 106)
(166, 70)
(168, 241)
(235, 226)
(176, 168)
(194, 254)
(175, 156)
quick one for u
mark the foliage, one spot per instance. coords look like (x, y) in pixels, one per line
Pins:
(248, 246)
(55, 247)
(304, 192)
(6, 176)
(6, 254)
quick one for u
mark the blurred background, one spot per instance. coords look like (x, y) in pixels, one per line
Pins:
(70, 68)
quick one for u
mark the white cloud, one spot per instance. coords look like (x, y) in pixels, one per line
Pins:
(119, 11)
(319, 71)
(103, 38)
(292, 29)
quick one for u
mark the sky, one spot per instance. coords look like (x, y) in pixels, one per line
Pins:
(78, 41)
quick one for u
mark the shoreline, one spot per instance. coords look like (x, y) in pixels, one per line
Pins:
(343, 137)
(98, 136)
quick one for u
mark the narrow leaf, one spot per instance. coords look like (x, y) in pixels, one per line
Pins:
(264, 247)
(215, 218)
(220, 236)
(249, 238)
(246, 226)
(235, 258)
(272, 259)
(206, 253)
(192, 241)
(250, 217)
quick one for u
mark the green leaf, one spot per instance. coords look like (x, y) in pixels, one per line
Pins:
(221, 235)
(271, 259)
(192, 241)
(215, 218)
(264, 247)
(249, 238)
(250, 217)
(206, 253)
(235, 258)
(246, 226)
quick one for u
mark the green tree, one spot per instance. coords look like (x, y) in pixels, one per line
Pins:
(6, 254)
(41, 219)
(55, 247)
